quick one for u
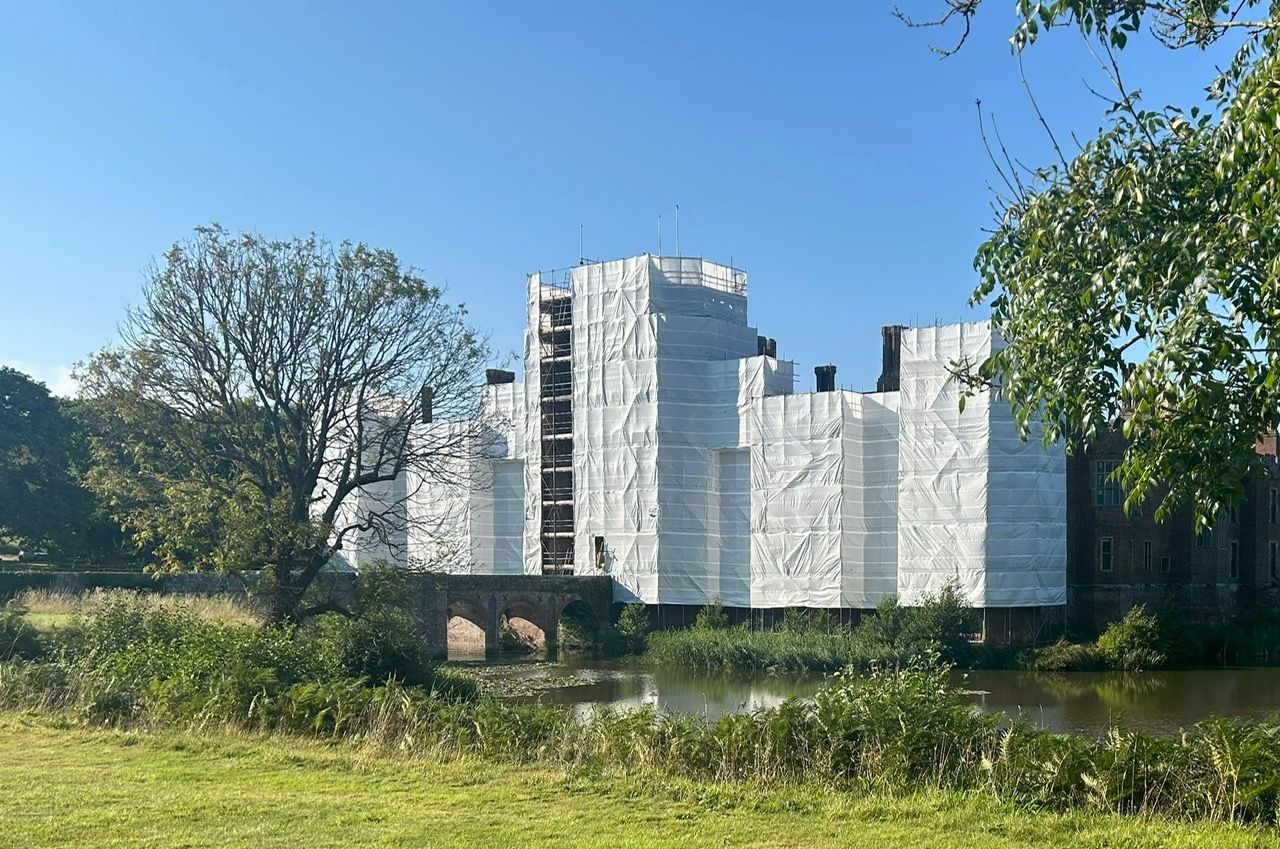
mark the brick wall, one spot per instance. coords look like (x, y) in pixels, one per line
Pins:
(1164, 563)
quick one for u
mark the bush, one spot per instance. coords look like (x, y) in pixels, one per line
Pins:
(947, 620)
(712, 617)
(18, 640)
(941, 625)
(1133, 644)
(378, 646)
(902, 728)
(633, 628)
(1063, 656)
(512, 641)
(583, 628)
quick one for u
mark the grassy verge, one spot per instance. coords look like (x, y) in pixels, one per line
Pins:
(66, 787)
(52, 608)
(363, 682)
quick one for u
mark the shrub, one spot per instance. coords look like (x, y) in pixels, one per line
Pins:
(633, 628)
(511, 640)
(886, 636)
(712, 617)
(377, 646)
(581, 627)
(17, 638)
(1063, 656)
(125, 658)
(902, 728)
(946, 619)
(1133, 644)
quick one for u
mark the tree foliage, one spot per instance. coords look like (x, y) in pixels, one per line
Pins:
(37, 493)
(261, 387)
(1138, 283)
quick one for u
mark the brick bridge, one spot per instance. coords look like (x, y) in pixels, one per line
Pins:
(485, 600)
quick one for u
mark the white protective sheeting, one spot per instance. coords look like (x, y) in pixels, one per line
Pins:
(469, 518)
(707, 476)
(977, 505)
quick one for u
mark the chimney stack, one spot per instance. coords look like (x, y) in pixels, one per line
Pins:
(428, 397)
(826, 376)
(890, 358)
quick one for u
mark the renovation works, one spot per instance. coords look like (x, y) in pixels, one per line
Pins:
(655, 437)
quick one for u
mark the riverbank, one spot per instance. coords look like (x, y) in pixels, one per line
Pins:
(128, 665)
(75, 787)
(1162, 704)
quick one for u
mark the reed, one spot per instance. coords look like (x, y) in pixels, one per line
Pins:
(889, 729)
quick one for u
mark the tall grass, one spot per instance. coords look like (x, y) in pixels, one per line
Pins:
(739, 648)
(217, 608)
(890, 729)
(941, 624)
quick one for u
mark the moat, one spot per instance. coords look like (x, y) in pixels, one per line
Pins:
(1078, 702)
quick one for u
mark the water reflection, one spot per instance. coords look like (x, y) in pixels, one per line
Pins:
(581, 685)
(1157, 702)
(1082, 702)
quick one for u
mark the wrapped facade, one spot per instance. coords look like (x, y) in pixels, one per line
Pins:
(656, 437)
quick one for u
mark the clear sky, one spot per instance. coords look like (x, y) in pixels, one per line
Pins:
(822, 147)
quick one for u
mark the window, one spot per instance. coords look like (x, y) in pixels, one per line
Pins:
(1233, 514)
(1165, 566)
(1273, 504)
(1235, 558)
(1204, 538)
(1146, 556)
(1106, 487)
(1104, 554)
(1129, 562)
(1272, 559)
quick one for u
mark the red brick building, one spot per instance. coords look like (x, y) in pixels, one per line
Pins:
(1115, 561)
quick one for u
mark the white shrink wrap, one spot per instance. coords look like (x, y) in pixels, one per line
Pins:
(977, 505)
(699, 473)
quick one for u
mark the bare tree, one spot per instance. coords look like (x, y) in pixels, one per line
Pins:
(270, 400)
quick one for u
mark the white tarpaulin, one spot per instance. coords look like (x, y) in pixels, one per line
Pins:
(698, 472)
(976, 505)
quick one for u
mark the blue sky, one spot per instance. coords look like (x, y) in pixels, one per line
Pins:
(822, 147)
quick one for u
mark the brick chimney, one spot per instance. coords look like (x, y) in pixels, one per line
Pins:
(890, 358)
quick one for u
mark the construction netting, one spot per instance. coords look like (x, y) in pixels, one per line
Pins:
(651, 440)
(977, 505)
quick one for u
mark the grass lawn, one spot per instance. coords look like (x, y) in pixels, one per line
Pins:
(69, 787)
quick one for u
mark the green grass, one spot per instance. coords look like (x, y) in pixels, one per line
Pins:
(49, 621)
(738, 648)
(66, 786)
(53, 608)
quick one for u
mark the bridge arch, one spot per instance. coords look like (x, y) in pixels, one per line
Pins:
(466, 633)
(484, 601)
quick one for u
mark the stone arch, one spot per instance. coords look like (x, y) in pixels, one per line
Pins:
(469, 609)
(538, 611)
(578, 623)
(467, 628)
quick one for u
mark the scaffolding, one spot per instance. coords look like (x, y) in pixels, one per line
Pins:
(696, 271)
(555, 363)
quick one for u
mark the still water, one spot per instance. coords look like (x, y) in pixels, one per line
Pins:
(1080, 702)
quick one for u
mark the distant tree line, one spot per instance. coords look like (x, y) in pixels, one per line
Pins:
(44, 457)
